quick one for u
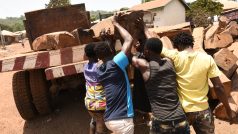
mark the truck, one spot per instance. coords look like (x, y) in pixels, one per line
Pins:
(42, 73)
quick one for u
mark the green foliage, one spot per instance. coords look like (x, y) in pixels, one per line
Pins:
(143, 1)
(12, 23)
(57, 3)
(5, 27)
(94, 15)
(124, 8)
(200, 10)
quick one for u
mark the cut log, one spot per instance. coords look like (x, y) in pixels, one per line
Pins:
(105, 24)
(167, 42)
(211, 31)
(226, 60)
(226, 83)
(54, 41)
(232, 28)
(232, 23)
(234, 46)
(128, 20)
(171, 31)
(198, 35)
(234, 81)
(223, 21)
(219, 41)
(84, 36)
(220, 111)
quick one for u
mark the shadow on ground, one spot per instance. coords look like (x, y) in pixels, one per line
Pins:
(69, 117)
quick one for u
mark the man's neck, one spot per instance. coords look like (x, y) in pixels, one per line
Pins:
(189, 49)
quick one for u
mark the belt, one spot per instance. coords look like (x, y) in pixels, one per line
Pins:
(171, 124)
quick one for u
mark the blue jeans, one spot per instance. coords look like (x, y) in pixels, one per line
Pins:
(170, 127)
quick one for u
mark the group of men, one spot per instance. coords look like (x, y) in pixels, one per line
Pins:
(176, 83)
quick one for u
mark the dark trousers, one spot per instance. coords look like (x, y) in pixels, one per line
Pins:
(202, 121)
(170, 127)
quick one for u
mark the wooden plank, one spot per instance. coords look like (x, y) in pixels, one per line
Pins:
(64, 70)
(164, 29)
(51, 20)
(172, 33)
(198, 35)
(44, 59)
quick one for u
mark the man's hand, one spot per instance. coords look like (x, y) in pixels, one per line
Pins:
(231, 116)
(219, 90)
(116, 18)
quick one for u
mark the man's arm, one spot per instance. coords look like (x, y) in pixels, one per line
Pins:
(219, 90)
(143, 66)
(126, 47)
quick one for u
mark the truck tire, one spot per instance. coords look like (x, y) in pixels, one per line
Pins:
(40, 91)
(22, 95)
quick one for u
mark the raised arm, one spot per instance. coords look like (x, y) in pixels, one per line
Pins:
(126, 47)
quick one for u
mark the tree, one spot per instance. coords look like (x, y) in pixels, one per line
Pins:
(5, 27)
(57, 3)
(124, 8)
(143, 1)
(201, 10)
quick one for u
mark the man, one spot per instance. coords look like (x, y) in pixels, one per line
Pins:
(95, 100)
(193, 71)
(113, 77)
(161, 86)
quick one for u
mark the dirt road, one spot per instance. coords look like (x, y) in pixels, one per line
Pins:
(69, 116)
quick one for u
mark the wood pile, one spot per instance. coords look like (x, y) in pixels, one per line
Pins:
(220, 41)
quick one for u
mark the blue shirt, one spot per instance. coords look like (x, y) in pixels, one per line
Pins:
(113, 77)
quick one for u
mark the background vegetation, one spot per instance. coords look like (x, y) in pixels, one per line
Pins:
(199, 13)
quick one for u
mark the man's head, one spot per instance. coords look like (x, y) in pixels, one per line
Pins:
(103, 50)
(182, 41)
(153, 46)
(89, 51)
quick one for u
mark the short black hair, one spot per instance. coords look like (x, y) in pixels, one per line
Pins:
(103, 49)
(89, 50)
(154, 45)
(183, 40)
